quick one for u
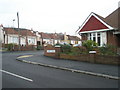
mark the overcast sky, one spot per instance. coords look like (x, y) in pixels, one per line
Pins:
(53, 15)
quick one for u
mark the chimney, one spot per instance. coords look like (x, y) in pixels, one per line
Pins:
(65, 37)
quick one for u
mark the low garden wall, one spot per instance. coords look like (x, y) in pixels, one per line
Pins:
(52, 51)
(114, 60)
(24, 48)
(104, 55)
(12, 47)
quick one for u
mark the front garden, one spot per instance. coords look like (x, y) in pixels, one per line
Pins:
(87, 46)
(107, 54)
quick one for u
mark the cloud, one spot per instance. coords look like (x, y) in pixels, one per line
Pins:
(53, 15)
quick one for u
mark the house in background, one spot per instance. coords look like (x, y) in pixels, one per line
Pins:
(11, 35)
(54, 38)
(73, 40)
(38, 37)
(47, 38)
(59, 38)
(30, 37)
(101, 30)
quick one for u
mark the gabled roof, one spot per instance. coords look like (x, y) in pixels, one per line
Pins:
(95, 22)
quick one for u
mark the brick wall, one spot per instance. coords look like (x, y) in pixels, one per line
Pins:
(22, 48)
(55, 54)
(114, 60)
(112, 39)
(52, 54)
(84, 37)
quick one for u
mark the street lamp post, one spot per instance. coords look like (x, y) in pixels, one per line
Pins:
(18, 29)
(13, 38)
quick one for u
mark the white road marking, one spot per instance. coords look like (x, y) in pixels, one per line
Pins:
(17, 75)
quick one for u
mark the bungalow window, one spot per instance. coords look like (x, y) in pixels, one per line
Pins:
(96, 37)
(89, 36)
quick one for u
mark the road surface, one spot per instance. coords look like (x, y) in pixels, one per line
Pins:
(17, 74)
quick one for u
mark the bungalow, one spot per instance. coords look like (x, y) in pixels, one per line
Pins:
(11, 35)
(101, 30)
(73, 40)
(47, 38)
(54, 38)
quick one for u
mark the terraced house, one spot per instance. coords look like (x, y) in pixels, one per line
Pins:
(102, 30)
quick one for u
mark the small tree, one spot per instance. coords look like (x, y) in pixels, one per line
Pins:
(89, 44)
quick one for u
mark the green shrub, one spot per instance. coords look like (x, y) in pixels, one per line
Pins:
(89, 44)
(75, 50)
(78, 50)
(10, 46)
(108, 50)
(66, 48)
(39, 47)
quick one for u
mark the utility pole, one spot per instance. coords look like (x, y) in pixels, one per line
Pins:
(18, 29)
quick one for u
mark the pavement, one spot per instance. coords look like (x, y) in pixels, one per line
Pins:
(106, 71)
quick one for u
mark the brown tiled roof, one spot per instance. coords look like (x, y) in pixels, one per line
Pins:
(10, 31)
(61, 37)
(27, 32)
(23, 32)
(73, 38)
(113, 18)
(46, 35)
(51, 36)
(57, 36)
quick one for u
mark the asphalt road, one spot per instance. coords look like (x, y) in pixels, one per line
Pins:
(15, 73)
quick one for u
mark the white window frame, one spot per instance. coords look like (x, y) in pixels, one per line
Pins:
(96, 37)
